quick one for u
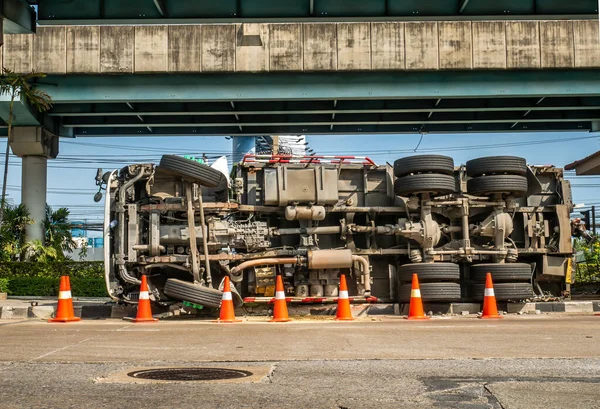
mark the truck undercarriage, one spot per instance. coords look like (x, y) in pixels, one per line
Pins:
(309, 219)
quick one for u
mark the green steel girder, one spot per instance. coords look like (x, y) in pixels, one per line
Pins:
(18, 17)
(338, 129)
(257, 108)
(278, 87)
(146, 10)
(333, 103)
(23, 113)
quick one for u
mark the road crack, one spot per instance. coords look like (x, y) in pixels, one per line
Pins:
(496, 404)
(270, 374)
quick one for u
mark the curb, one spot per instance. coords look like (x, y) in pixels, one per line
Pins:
(106, 311)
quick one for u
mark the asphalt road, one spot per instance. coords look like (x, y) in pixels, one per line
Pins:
(548, 361)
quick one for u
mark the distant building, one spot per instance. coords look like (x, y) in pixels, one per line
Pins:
(589, 165)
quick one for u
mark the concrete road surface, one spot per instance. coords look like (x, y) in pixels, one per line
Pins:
(549, 361)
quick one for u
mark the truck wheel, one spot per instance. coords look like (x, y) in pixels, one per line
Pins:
(424, 183)
(510, 165)
(222, 192)
(424, 164)
(506, 184)
(502, 273)
(197, 294)
(505, 291)
(429, 272)
(189, 169)
(432, 292)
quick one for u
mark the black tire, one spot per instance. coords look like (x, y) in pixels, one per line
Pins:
(222, 196)
(424, 183)
(505, 291)
(502, 273)
(510, 165)
(424, 164)
(197, 294)
(506, 184)
(429, 272)
(222, 192)
(189, 169)
(431, 292)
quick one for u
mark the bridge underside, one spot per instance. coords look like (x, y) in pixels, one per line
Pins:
(63, 11)
(250, 104)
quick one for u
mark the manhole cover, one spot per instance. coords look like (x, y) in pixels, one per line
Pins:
(189, 374)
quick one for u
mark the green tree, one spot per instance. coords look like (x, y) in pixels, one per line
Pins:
(12, 232)
(588, 271)
(37, 251)
(58, 230)
(17, 86)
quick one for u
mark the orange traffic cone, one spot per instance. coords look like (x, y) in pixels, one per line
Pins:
(227, 314)
(144, 312)
(415, 310)
(343, 309)
(490, 310)
(280, 312)
(64, 312)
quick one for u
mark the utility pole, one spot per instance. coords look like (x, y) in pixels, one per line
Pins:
(275, 149)
(593, 221)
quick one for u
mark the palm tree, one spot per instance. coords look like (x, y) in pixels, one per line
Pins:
(58, 230)
(12, 232)
(19, 86)
(37, 251)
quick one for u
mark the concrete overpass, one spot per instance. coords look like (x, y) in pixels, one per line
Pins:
(247, 67)
(249, 78)
(306, 47)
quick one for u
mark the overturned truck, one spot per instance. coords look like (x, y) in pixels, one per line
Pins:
(309, 219)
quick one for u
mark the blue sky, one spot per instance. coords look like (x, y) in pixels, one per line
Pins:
(71, 175)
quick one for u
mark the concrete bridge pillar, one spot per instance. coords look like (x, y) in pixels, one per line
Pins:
(34, 145)
(33, 194)
(242, 145)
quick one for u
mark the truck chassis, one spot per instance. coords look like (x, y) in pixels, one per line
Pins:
(309, 219)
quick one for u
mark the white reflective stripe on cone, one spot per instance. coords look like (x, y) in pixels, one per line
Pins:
(488, 292)
(63, 295)
(279, 295)
(227, 296)
(144, 295)
(415, 293)
(343, 294)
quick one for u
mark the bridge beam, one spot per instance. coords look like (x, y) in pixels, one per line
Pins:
(17, 17)
(368, 86)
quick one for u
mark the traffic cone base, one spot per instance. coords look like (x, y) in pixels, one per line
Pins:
(70, 319)
(425, 318)
(140, 319)
(415, 309)
(64, 309)
(280, 320)
(144, 310)
(227, 314)
(280, 311)
(343, 308)
(490, 309)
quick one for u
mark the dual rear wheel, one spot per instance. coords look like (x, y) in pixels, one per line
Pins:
(434, 174)
(440, 282)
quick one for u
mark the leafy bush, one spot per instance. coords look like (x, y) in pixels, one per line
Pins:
(3, 285)
(42, 279)
(88, 287)
(33, 286)
(588, 271)
(92, 269)
(48, 286)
